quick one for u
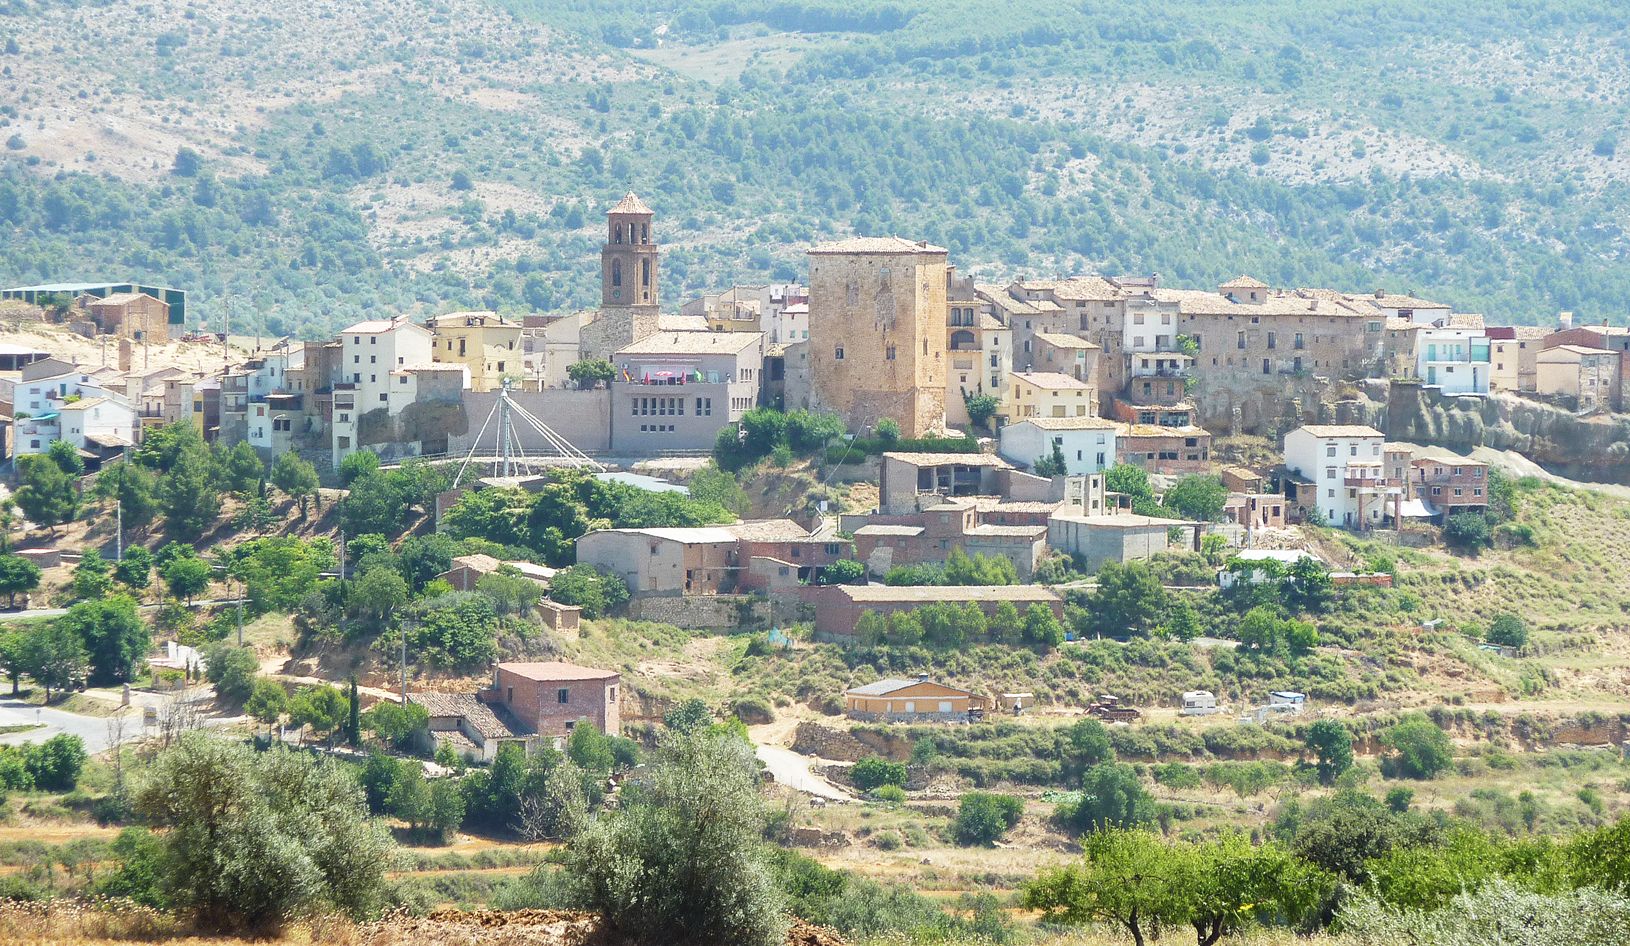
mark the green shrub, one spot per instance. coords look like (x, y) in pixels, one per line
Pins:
(873, 772)
(982, 818)
(888, 794)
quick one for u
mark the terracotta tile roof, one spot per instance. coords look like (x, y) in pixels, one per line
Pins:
(890, 530)
(991, 530)
(1204, 302)
(669, 322)
(121, 298)
(1578, 350)
(1068, 423)
(630, 204)
(769, 530)
(1124, 521)
(1051, 380)
(891, 245)
(1156, 430)
(1244, 282)
(1340, 430)
(491, 723)
(949, 459)
(552, 670)
(1396, 301)
(1061, 340)
(693, 343)
(1464, 320)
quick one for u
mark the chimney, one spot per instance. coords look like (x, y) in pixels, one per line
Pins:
(922, 677)
(1380, 293)
(1564, 321)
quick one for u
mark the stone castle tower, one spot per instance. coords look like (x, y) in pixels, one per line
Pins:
(877, 335)
(628, 282)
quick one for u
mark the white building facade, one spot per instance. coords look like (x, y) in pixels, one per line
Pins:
(1346, 469)
(1088, 443)
(1455, 360)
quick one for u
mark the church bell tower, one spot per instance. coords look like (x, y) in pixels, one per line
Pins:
(628, 281)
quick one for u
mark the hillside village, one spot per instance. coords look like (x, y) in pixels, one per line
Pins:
(904, 530)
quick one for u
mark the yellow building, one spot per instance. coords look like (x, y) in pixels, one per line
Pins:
(484, 342)
(1513, 362)
(1049, 394)
(734, 310)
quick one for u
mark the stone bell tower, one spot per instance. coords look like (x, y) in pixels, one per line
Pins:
(628, 281)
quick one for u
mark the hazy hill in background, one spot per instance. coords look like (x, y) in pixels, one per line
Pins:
(343, 158)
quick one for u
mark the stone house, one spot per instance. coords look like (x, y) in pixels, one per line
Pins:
(468, 570)
(1061, 353)
(1094, 540)
(705, 560)
(133, 315)
(928, 537)
(474, 728)
(980, 354)
(1171, 450)
(1588, 376)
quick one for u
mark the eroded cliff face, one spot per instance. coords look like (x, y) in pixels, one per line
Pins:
(1595, 448)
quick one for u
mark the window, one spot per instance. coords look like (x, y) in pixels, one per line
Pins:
(611, 694)
(837, 354)
(616, 272)
(373, 339)
(563, 695)
(1273, 340)
(385, 397)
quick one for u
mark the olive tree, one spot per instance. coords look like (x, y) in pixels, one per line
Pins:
(255, 840)
(683, 859)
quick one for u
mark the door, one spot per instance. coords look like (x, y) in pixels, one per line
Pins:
(911, 706)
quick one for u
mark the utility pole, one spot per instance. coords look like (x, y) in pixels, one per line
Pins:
(341, 512)
(404, 632)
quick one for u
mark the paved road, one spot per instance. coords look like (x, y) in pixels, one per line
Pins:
(92, 729)
(792, 770)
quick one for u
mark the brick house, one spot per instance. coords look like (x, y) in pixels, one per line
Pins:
(1165, 449)
(1449, 484)
(551, 697)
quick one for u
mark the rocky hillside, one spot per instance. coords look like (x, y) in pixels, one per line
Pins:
(304, 164)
